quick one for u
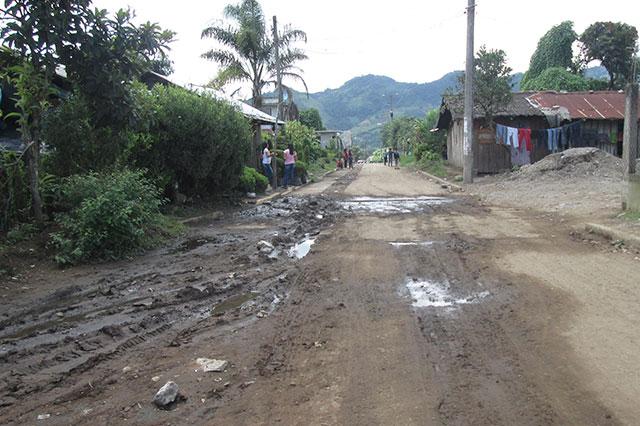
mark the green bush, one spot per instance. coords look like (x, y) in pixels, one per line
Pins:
(109, 215)
(432, 163)
(301, 169)
(252, 181)
(15, 198)
(199, 142)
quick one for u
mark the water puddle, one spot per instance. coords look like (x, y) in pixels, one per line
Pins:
(426, 294)
(302, 248)
(396, 244)
(234, 302)
(401, 205)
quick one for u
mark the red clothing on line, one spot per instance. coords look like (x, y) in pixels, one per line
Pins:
(525, 135)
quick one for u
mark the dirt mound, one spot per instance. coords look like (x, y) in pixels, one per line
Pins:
(575, 162)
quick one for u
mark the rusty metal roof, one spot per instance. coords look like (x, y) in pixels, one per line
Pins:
(601, 105)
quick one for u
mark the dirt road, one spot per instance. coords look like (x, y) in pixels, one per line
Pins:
(414, 306)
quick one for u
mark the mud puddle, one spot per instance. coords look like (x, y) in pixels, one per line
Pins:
(433, 294)
(397, 244)
(400, 205)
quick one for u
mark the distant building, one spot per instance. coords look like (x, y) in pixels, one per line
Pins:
(290, 110)
(327, 136)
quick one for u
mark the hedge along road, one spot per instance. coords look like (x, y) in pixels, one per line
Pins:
(414, 306)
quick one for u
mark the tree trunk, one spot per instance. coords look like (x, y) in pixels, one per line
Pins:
(32, 157)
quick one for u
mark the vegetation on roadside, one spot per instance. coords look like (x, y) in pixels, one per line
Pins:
(107, 216)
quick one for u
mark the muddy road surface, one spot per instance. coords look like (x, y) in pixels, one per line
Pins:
(372, 297)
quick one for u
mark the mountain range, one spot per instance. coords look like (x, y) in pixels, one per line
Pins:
(362, 104)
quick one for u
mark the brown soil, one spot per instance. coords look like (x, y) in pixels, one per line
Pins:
(538, 327)
(579, 181)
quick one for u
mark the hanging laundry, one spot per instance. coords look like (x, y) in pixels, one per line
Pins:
(512, 137)
(524, 136)
(501, 134)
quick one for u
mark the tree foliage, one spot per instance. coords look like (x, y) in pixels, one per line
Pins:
(558, 79)
(492, 87)
(196, 141)
(108, 215)
(247, 52)
(614, 44)
(311, 118)
(399, 133)
(304, 141)
(554, 51)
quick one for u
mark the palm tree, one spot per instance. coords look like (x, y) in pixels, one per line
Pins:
(247, 52)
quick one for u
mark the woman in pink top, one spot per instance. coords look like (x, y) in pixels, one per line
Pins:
(290, 157)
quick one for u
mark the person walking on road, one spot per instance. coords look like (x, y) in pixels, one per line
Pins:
(290, 158)
(390, 155)
(386, 156)
(350, 158)
(396, 158)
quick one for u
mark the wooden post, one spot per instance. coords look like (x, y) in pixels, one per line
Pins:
(279, 107)
(631, 180)
(467, 171)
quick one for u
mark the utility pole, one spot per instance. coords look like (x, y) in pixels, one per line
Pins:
(631, 184)
(467, 172)
(279, 105)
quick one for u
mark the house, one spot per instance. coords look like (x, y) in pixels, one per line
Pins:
(489, 157)
(290, 110)
(601, 114)
(327, 136)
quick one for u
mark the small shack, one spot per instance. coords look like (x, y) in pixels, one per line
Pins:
(600, 114)
(489, 157)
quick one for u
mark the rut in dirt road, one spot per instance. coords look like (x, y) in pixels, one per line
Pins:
(412, 306)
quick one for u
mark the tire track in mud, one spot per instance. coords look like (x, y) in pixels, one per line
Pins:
(65, 361)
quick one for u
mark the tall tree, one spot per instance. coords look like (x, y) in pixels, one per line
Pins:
(554, 51)
(492, 87)
(558, 79)
(311, 118)
(38, 31)
(247, 52)
(614, 44)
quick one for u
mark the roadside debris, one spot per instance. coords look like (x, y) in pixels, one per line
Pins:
(215, 365)
(168, 395)
(43, 416)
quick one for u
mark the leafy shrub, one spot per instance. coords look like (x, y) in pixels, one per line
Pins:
(15, 199)
(200, 143)
(21, 232)
(109, 215)
(252, 181)
(432, 163)
(301, 169)
(420, 150)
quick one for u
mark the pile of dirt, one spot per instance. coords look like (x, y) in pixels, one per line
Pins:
(575, 162)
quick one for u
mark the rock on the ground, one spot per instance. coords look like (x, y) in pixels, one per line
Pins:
(265, 246)
(215, 365)
(166, 395)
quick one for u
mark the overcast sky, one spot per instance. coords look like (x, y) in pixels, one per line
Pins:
(408, 40)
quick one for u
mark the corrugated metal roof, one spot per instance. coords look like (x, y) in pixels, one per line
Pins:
(601, 105)
(519, 106)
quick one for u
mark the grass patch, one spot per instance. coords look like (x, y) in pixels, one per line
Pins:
(629, 215)
(407, 160)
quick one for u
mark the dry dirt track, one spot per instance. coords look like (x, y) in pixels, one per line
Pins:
(531, 326)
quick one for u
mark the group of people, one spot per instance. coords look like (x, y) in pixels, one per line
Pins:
(346, 161)
(290, 158)
(391, 158)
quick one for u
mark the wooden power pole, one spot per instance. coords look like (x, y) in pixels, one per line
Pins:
(631, 196)
(279, 105)
(467, 172)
